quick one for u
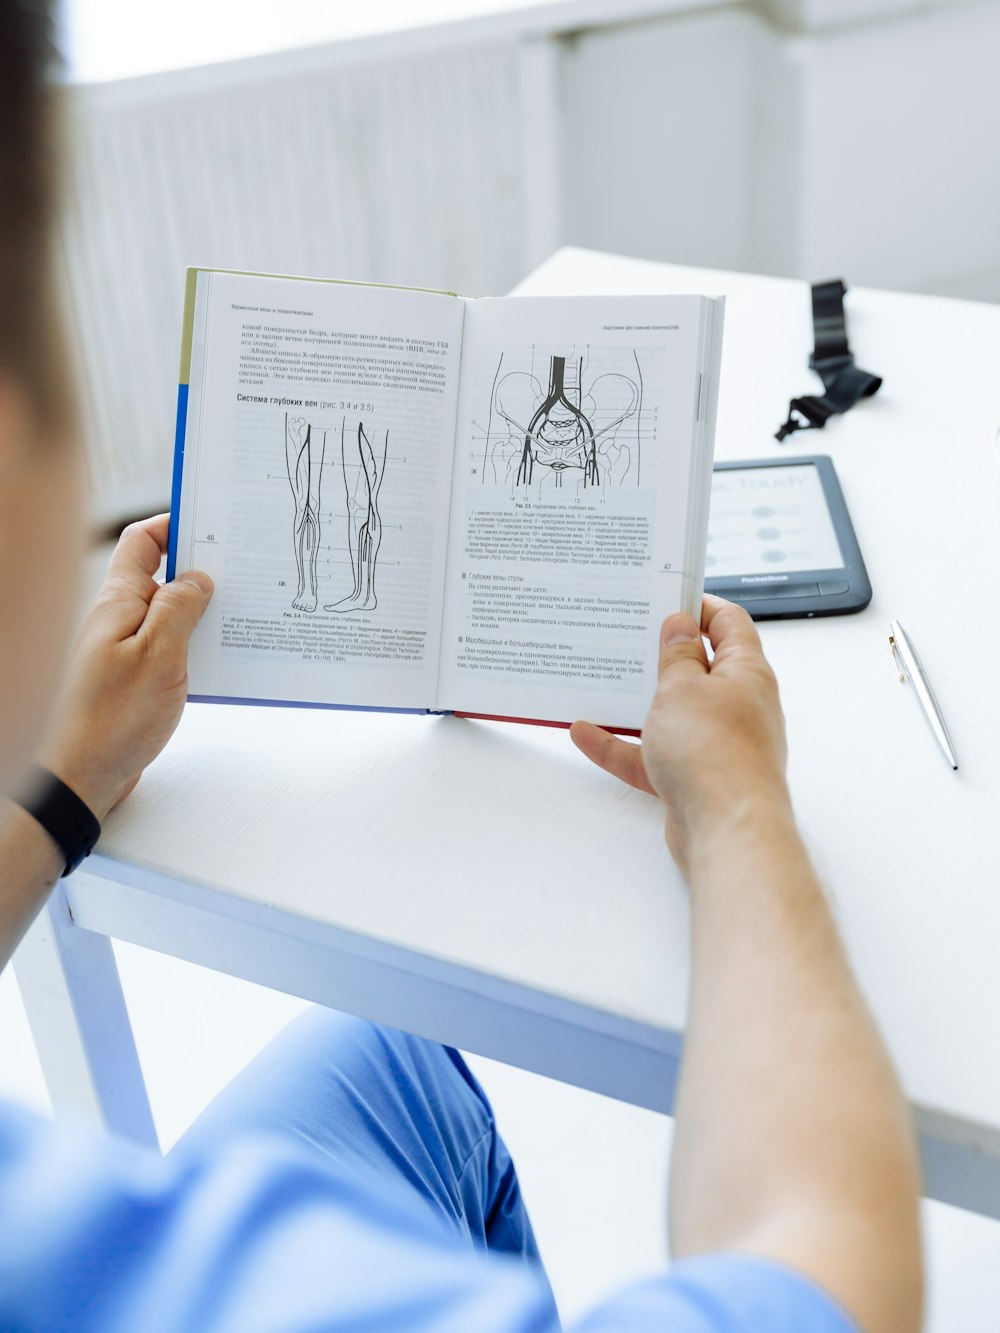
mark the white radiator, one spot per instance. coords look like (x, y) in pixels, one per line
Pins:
(430, 171)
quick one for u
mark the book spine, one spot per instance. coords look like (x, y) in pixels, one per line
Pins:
(297, 703)
(542, 722)
(175, 486)
(180, 428)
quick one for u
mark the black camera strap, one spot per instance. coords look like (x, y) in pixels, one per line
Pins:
(843, 381)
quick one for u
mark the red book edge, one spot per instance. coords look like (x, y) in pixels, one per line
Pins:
(541, 722)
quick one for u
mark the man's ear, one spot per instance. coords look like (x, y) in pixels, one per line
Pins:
(21, 637)
(41, 544)
(32, 439)
(18, 427)
(23, 476)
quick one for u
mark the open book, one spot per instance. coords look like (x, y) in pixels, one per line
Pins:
(409, 500)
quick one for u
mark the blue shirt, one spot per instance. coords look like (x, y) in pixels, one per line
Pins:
(256, 1237)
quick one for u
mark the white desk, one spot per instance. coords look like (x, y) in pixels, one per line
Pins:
(483, 885)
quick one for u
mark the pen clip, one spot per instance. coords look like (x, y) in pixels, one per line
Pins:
(897, 658)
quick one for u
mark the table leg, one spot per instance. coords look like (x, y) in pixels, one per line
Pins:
(72, 993)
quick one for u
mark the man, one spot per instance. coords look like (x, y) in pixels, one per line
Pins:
(352, 1177)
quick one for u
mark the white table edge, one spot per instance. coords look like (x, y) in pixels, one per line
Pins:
(445, 1001)
(385, 982)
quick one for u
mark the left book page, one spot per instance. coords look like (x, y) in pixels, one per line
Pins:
(312, 481)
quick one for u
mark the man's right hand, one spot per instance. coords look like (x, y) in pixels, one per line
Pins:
(713, 746)
(793, 1142)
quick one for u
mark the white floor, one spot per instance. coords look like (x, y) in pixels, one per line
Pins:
(593, 1170)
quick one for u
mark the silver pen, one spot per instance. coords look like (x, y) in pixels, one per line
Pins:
(908, 665)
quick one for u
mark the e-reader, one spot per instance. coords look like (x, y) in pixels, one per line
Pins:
(781, 542)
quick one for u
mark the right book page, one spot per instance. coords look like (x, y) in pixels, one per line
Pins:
(582, 476)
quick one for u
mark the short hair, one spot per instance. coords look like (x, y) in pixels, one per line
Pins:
(29, 343)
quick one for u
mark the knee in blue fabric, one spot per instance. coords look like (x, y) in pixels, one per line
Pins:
(392, 1110)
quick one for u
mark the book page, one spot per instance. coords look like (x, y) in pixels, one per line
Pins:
(316, 487)
(573, 467)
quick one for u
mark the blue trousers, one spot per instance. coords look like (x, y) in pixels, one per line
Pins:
(350, 1178)
(393, 1112)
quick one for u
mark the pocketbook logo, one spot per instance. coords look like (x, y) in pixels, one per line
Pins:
(763, 578)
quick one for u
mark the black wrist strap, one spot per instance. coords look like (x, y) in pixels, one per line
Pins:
(71, 824)
(843, 381)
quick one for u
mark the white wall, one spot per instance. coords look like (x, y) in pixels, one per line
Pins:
(806, 15)
(659, 143)
(728, 139)
(899, 170)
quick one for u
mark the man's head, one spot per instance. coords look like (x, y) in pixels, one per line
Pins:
(40, 478)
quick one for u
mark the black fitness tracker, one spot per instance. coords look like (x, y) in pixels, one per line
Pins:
(68, 821)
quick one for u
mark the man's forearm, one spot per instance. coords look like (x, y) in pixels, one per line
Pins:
(30, 864)
(789, 1115)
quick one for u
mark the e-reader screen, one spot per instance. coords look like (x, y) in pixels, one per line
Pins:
(765, 519)
(781, 542)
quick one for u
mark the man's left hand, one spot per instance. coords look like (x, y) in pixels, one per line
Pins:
(127, 681)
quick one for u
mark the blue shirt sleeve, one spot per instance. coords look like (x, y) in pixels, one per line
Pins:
(721, 1293)
(260, 1238)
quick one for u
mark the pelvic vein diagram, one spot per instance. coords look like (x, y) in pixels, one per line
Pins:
(572, 433)
(363, 458)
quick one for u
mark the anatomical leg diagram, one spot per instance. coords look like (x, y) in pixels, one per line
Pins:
(363, 475)
(305, 448)
(566, 434)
